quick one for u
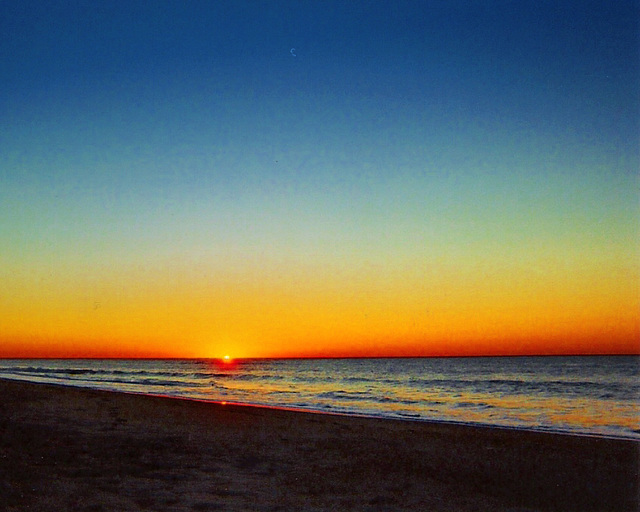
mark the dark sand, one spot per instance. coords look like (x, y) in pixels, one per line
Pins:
(74, 449)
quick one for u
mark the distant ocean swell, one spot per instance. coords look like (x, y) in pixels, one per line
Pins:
(585, 395)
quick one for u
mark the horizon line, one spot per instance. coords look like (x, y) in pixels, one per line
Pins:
(272, 358)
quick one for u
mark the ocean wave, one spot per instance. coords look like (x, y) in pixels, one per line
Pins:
(473, 405)
(556, 387)
(56, 372)
(346, 395)
(402, 401)
(253, 377)
(518, 392)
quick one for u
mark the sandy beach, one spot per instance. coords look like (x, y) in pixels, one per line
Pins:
(76, 449)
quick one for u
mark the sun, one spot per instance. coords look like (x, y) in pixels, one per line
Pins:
(225, 363)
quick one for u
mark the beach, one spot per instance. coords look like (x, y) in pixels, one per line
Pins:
(64, 448)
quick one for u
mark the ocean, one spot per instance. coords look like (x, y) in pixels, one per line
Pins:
(588, 395)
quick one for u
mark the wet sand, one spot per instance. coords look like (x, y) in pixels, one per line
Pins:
(75, 449)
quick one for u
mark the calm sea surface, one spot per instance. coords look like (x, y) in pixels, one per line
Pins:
(587, 395)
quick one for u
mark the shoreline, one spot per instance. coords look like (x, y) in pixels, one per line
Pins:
(102, 450)
(553, 431)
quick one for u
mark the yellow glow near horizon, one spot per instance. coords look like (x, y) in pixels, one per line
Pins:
(439, 293)
(438, 309)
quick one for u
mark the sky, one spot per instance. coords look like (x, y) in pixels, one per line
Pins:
(301, 179)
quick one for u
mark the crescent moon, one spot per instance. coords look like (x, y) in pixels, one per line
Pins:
(291, 51)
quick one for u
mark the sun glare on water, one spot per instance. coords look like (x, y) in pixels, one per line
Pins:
(225, 363)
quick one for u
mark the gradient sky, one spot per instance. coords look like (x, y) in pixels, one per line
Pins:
(445, 177)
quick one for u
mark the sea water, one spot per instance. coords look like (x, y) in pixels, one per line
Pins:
(595, 395)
